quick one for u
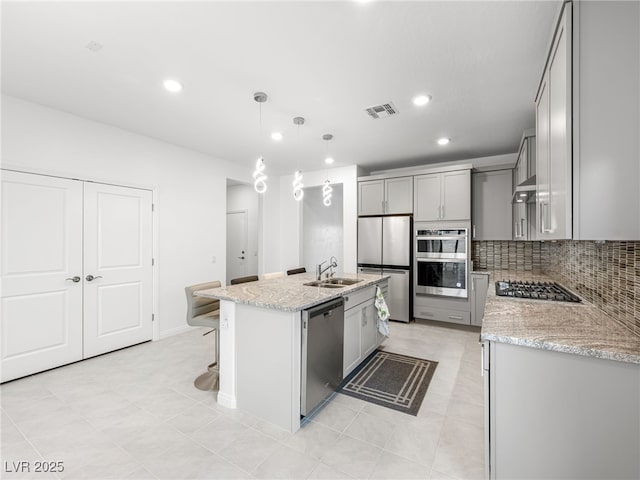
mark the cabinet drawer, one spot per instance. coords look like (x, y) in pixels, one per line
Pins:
(356, 298)
(452, 316)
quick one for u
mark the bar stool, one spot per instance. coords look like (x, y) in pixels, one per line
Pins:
(250, 278)
(295, 271)
(205, 312)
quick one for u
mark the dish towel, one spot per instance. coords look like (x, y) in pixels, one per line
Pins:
(383, 313)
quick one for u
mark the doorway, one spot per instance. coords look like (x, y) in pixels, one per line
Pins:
(237, 240)
(242, 230)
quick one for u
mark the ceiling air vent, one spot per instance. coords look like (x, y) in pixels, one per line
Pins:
(381, 111)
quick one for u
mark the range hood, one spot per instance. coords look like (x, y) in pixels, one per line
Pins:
(525, 192)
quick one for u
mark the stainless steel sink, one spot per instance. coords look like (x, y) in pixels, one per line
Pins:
(333, 282)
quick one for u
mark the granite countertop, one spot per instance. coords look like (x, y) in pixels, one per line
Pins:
(289, 293)
(581, 329)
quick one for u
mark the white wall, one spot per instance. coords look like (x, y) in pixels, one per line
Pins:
(190, 189)
(322, 228)
(245, 198)
(291, 218)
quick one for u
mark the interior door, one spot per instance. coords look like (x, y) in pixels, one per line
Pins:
(117, 276)
(237, 240)
(41, 324)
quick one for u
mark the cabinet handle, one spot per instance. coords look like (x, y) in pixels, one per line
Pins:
(544, 227)
(473, 230)
(454, 317)
(442, 214)
(522, 228)
(473, 284)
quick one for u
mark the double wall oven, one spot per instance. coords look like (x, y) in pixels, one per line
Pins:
(441, 261)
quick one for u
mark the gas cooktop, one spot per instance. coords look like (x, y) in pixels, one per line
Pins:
(535, 290)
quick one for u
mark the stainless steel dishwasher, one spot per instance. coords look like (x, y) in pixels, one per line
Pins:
(322, 352)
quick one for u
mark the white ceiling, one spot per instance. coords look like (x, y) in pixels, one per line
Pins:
(325, 61)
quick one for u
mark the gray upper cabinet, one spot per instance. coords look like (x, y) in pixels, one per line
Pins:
(492, 210)
(443, 196)
(587, 124)
(385, 196)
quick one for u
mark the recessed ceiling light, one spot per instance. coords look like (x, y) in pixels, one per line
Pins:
(172, 85)
(443, 141)
(277, 136)
(421, 100)
(328, 160)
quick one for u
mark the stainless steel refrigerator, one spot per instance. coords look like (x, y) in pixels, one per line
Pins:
(384, 247)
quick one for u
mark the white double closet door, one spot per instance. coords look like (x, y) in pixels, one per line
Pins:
(76, 271)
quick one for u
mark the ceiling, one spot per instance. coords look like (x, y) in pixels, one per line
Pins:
(480, 61)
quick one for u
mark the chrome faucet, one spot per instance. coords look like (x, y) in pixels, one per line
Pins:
(333, 262)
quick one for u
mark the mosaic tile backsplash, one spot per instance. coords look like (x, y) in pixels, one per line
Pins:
(606, 274)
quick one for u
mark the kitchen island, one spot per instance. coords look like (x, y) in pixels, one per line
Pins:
(260, 340)
(562, 389)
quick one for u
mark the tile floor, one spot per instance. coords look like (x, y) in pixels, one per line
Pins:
(135, 414)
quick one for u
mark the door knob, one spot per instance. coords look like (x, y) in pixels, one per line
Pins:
(241, 258)
(90, 278)
(75, 279)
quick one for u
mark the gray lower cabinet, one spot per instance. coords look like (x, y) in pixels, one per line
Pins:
(478, 297)
(442, 309)
(553, 415)
(361, 336)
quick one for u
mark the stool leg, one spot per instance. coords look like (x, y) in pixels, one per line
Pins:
(210, 379)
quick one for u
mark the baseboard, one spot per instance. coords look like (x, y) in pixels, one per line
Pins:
(227, 400)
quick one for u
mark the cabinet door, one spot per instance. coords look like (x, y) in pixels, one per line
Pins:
(369, 328)
(352, 339)
(542, 159)
(492, 209)
(399, 195)
(41, 273)
(427, 197)
(456, 195)
(559, 218)
(371, 197)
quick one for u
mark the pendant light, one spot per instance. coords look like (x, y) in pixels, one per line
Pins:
(326, 189)
(260, 179)
(298, 192)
